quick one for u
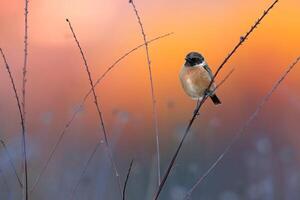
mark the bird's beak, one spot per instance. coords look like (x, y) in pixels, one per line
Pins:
(188, 60)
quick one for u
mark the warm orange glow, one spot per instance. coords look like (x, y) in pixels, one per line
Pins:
(106, 30)
(57, 80)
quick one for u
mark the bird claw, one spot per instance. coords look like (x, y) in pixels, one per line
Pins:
(207, 92)
(196, 112)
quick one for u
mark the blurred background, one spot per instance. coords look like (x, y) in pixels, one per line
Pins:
(264, 165)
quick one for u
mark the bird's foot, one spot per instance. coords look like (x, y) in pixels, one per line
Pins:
(196, 112)
(208, 93)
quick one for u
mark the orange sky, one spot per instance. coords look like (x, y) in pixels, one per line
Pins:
(107, 29)
(57, 80)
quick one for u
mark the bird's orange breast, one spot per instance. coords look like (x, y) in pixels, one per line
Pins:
(195, 80)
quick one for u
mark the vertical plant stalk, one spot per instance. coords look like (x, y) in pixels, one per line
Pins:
(240, 133)
(154, 106)
(84, 170)
(242, 40)
(68, 124)
(4, 180)
(126, 180)
(10, 160)
(25, 59)
(25, 187)
(24, 95)
(110, 153)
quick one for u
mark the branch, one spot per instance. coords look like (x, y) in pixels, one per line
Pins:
(11, 162)
(110, 154)
(240, 133)
(154, 107)
(68, 124)
(22, 125)
(126, 180)
(242, 40)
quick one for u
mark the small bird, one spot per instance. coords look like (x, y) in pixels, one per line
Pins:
(195, 77)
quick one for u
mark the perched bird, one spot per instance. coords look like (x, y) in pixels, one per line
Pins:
(195, 77)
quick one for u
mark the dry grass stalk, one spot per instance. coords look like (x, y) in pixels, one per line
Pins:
(242, 40)
(11, 162)
(126, 180)
(4, 180)
(224, 80)
(84, 170)
(68, 124)
(25, 57)
(22, 124)
(24, 94)
(108, 147)
(240, 133)
(154, 106)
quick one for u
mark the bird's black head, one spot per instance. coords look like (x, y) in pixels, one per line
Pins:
(193, 59)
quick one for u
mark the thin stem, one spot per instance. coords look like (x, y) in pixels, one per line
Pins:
(224, 80)
(110, 154)
(242, 40)
(199, 104)
(22, 123)
(154, 106)
(11, 162)
(219, 85)
(126, 180)
(24, 95)
(84, 170)
(25, 57)
(76, 112)
(4, 180)
(240, 133)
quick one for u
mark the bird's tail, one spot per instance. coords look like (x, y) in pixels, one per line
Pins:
(215, 99)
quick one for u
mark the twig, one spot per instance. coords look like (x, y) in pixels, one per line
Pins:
(110, 154)
(84, 170)
(154, 107)
(217, 87)
(22, 123)
(221, 83)
(224, 80)
(240, 133)
(82, 104)
(4, 180)
(25, 57)
(242, 40)
(126, 180)
(11, 162)
(24, 94)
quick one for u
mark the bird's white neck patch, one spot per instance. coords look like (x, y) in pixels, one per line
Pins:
(201, 64)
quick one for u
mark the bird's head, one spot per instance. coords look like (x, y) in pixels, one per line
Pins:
(192, 59)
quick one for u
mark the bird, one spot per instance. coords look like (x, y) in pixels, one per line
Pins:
(196, 76)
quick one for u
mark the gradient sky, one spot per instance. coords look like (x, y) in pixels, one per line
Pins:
(57, 80)
(107, 29)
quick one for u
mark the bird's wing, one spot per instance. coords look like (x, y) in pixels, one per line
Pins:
(206, 67)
